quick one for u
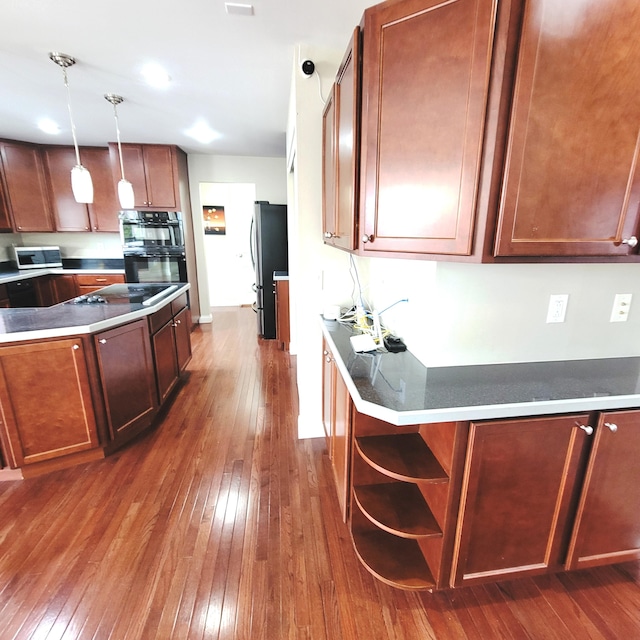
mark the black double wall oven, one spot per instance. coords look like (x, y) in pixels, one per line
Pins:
(153, 246)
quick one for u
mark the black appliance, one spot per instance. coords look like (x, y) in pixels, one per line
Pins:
(268, 254)
(22, 293)
(153, 246)
(151, 229)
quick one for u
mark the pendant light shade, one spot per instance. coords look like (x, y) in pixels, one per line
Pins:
(81, 183)
(125, 188)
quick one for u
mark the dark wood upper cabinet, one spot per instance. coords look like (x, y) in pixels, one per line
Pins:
(425, 79)
(572, 181)
(102, 214)
(152, 170)
(341, 139)
(25, 187)
(329, 168)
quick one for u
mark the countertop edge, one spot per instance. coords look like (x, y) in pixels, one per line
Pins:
(476, 412)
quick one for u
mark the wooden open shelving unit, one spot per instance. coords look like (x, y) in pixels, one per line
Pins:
(402, 499)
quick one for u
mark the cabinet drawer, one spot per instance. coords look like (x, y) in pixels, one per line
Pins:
(178, 304)
(98, 279)
(160, 318)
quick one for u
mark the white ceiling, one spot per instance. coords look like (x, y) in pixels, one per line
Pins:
(231, 71)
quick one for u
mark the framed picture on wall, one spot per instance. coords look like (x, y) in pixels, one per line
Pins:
(214, 220)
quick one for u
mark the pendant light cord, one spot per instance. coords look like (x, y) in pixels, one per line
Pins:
(115, 115)
(73, 126)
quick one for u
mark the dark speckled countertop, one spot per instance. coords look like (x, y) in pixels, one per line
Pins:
(124, 303)
(398, 388)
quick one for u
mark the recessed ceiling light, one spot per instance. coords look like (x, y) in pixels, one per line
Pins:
(202, 132)
(156, 76)
(238, 9)
(48, 126)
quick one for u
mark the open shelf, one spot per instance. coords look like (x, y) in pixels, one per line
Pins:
(403, 456)
(393, 560)
(397, 507)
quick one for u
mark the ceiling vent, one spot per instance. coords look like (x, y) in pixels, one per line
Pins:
(236, 9)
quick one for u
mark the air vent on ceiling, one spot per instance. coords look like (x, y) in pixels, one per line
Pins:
(238, 9)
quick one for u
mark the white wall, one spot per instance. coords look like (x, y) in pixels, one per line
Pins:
(75, 245)
(269, 176)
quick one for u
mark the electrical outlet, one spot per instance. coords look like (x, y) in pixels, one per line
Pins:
(557, 307)
(621, 307)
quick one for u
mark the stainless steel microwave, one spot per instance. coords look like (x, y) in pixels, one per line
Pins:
(36, 257)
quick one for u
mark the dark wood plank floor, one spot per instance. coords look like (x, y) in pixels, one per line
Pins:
(221, 524)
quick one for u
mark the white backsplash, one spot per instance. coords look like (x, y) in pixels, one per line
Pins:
(72, 245)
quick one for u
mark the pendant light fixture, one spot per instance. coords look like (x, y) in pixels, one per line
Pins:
(81, 183)
(125, 188)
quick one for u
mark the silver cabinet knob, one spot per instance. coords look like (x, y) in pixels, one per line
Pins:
(328, 359)
(611, 426)
(367, 238)
(586, 428)
(76, 347)
(631, 242)
(328, 235)
(102, 341)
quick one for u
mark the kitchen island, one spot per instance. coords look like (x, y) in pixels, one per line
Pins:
(81, 378)
(451, 476)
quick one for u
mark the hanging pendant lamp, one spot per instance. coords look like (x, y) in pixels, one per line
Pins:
(125, 188)
(81, 183)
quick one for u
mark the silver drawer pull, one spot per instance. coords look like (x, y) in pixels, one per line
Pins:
(631, 242)
(586, 428)
(612, 426)
(102, 341)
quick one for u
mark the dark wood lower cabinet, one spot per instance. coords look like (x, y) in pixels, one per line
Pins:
(518, 484)
(46, 401)
(444, 505)
(74, 399)
(170, 330)
(127, 379)
(337, 420)
(607, 525)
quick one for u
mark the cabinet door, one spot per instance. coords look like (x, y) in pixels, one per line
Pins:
(518, 483)
(328, 394)
(103, 212)
(572, 182)
(159, 167)
(64, 288)
(425, 78)
(347, 94)
(166, 359)
(5, 219)
(133, 161)
(126, 374)
(69, 215)
(329, 169)
(341, 442)
(182, 326)
(46, 401)
(607, 526)
(26, 187)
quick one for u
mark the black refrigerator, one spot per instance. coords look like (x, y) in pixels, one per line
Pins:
(269, 253)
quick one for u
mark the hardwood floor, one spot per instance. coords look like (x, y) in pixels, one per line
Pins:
(221, 524)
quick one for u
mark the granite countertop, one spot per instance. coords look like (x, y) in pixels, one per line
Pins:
(398, 388)
(124, 303)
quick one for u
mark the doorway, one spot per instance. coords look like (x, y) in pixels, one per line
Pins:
(227, 250)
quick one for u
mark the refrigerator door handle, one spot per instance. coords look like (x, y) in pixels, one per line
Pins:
(252, 242)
